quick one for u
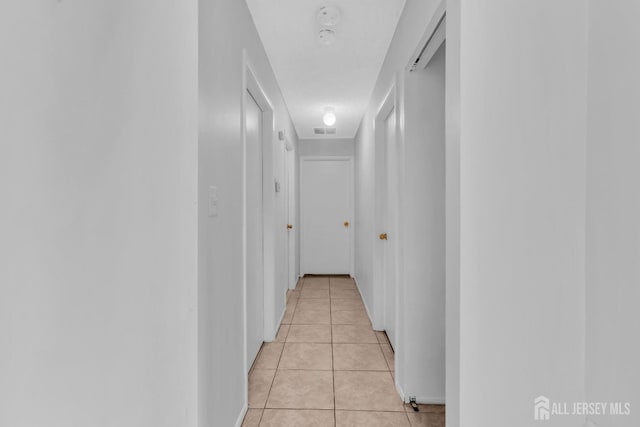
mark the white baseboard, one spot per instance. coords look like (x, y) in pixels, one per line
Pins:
(243, 412)
(296, 284)
(430, 400)
(400, 391)
(284, 311)
(364, 302)
(421, 400)
(275, 333)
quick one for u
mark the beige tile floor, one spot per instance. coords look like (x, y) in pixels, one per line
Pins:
(328, 367)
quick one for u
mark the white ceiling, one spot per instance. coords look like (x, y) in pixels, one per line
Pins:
(314, 76)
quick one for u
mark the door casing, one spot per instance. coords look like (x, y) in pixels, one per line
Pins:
(387, 106)
(252, 87)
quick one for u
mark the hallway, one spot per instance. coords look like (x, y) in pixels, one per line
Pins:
(328, 367)
(168, 170)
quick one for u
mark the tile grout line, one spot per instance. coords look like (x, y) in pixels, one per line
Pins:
(386, 411)
(384, 356)
(277, 366)
(328, 370)
(333, 363)
(333, 369)
(406, 414)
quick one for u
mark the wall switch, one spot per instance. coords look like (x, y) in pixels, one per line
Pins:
(213, 201)
(277, 186)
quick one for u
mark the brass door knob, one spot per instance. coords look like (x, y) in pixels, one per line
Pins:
(383, 236)
(289, 227)
(346, 223)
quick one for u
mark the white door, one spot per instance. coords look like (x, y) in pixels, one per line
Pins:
(254, 236)
(291, 218)
(392, 206)
(326, 206)
(281, 234)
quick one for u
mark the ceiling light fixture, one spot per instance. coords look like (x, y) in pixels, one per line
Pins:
(329, 117)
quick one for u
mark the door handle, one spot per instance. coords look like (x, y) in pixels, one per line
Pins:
(289, 227)
(383, 236)
(346, 223)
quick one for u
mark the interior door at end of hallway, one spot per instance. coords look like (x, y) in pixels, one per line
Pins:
(326, 216)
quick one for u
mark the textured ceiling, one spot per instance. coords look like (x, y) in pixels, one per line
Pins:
(313, 76)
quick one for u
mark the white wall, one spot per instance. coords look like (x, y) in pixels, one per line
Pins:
(226, 28)
(423, 222)
(452, 213)
(421, 306)
(363, 164)
(523, 317)
(326, 147)
(98, 175)
(411, 26)
(522, 196)
(613, 208)
(532, 135)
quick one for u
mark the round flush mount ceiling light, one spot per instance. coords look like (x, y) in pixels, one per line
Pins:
(329, 117)
(326, 36)
(328, 16)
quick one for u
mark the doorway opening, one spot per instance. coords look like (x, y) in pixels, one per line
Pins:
(390, 238)
(410, 220)
(257, 117)
(326, 207)
(422, 285)
(386, 212)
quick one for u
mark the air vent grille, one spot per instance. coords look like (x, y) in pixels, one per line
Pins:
(324, 131)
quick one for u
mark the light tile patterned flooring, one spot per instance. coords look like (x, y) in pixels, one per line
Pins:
(328, 367)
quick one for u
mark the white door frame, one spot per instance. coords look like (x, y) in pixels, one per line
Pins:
(290, 165)
(388, 104)
(251, 84)
(349, 159)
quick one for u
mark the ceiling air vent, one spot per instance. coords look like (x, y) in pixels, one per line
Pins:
(324, 131)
